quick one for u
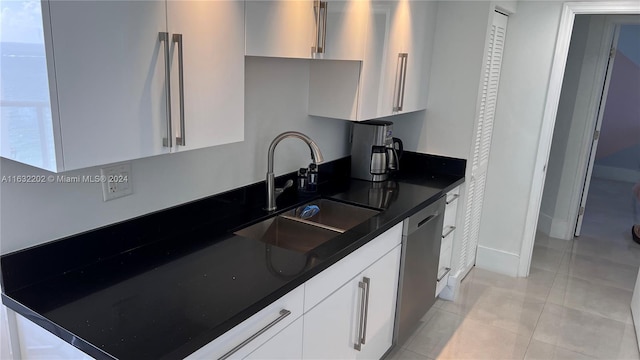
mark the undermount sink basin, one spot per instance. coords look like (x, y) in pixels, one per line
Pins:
(333, 215)
(291, 231)
(289, 234)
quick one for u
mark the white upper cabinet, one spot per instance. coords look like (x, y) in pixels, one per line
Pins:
(306, 29)
(209, 76)
(86, 83)
(393, 76)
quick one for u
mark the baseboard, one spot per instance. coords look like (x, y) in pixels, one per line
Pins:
(556, 228)
(497, 261)
(615, 173)
(560, 229)
(544, 223)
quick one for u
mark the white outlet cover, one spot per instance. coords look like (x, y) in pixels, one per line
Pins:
(116, 181)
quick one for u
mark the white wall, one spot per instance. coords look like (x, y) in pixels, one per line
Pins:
(529, 49)
(276, 101)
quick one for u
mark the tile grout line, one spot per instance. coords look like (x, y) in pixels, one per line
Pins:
(546, 300)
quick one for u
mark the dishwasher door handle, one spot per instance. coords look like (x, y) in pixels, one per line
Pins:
(429, 218)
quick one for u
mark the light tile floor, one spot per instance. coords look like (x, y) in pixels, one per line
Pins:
(574, 304)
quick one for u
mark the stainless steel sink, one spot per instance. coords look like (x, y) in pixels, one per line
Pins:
(290, 231)
(333, 215)
(289, 234)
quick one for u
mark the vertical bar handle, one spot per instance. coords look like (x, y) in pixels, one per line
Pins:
(358, 344)
(399, 88)
(164, 37)
(177, 39)
(404, 58)
(320, 8)
(316, 9)
(364, 313)
(324, 5)
(367, 281)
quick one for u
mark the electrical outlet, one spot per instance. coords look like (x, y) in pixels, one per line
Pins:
(116, 181)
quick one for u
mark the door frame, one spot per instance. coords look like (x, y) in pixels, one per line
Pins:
(567, 17)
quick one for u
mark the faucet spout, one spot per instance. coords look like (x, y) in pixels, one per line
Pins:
(316, 157)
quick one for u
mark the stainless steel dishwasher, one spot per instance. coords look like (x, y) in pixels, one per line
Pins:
(421, 238)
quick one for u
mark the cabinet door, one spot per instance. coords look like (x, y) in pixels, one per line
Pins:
(383, 287)
(330, 30)
(357, 320)
(378, 67)
(212, 70)
(418, 44)
(280, 28)
(330, 328)
(110, 79)
(346, 23)
(287, 344)
(393, 70)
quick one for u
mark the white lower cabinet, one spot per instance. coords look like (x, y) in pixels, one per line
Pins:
(356, 321)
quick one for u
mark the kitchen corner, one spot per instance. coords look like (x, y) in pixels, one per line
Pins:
(154, 287)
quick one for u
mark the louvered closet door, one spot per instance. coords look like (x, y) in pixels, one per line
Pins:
(482, 143)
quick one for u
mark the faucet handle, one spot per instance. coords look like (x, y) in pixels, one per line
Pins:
(287, 185)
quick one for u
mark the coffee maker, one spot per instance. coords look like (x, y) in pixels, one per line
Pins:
(375, 153)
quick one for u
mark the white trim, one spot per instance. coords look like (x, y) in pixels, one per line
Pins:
(497, 261)
(545, 222)
(569, 10)
(555, 228)
(561, 229)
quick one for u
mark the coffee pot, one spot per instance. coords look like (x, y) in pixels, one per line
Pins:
(375, 153)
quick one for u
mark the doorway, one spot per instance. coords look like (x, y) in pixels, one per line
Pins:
(597, 106)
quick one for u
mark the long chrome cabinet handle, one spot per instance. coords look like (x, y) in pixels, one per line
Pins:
(400, 77)
(324, 5)
(177, 39)
(453, 198)
(446, 271)
(367, 281)
(316, 9)
(451, 228)
(364, 312)
(321, 26)
(283, 314)
(358, 344)
(405, 59)
(164, 37)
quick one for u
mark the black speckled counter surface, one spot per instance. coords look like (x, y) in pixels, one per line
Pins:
(165, 284)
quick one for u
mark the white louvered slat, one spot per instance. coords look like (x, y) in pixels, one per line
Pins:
(482, 144)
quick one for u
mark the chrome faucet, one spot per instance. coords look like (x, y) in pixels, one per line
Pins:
(316, 157)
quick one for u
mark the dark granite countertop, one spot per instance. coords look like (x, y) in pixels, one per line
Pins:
(165, 284)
